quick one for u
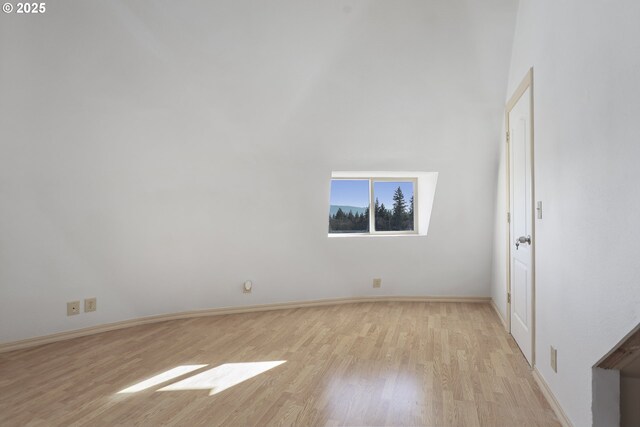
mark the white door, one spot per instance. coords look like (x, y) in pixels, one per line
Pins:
(521, 224)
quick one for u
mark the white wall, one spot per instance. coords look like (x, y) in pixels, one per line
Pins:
(130, 130)
(586, 57)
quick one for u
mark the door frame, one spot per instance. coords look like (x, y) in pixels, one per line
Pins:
(526, 83)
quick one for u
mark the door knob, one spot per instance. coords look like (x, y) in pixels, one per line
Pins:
(522, 239)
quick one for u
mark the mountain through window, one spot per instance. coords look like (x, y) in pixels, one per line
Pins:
(372, 206)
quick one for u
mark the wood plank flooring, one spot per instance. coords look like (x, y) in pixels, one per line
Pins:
(381, 363)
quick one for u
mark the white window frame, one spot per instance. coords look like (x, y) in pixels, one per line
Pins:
(372, 231)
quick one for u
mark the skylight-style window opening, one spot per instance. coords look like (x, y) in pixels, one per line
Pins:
(373, 206)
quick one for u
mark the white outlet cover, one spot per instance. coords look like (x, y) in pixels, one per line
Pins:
(73, 308)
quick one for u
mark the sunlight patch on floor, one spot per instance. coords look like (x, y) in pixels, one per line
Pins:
(223, 377)
(160, 378)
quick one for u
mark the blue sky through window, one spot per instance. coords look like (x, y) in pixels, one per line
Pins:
(350, 192)
(383, 191)
(355, 192)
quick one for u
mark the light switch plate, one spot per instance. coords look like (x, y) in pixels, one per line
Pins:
(90, 304)
(539, 209)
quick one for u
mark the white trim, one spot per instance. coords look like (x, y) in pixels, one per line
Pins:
(374, 235)
(553, 402)
(47, 339)
(497, 310)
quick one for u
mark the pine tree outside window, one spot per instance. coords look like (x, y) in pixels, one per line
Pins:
(373, 206)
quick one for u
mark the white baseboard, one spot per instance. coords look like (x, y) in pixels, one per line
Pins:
(47, 339)
(548, 394)
(495, 308)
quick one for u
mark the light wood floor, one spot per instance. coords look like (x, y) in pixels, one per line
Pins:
(382, 363)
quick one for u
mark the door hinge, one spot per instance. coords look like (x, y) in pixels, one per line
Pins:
(509, 297)
(507, 137)
(509, 217)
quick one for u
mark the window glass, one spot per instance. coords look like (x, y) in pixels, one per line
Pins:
(393, 205)
(349, 206)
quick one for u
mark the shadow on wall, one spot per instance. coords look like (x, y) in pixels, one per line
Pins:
(616, 384)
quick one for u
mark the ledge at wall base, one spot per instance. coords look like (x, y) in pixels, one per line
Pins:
(548, 394)
(495, 308)
(48, 339)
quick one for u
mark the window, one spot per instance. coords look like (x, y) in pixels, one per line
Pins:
(393, 205)
(349, 210)
(373, 206)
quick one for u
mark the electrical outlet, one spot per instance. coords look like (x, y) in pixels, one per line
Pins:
(90, 304)
(73, 308)
(554, 359)
(247, 287)
(377, 283)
